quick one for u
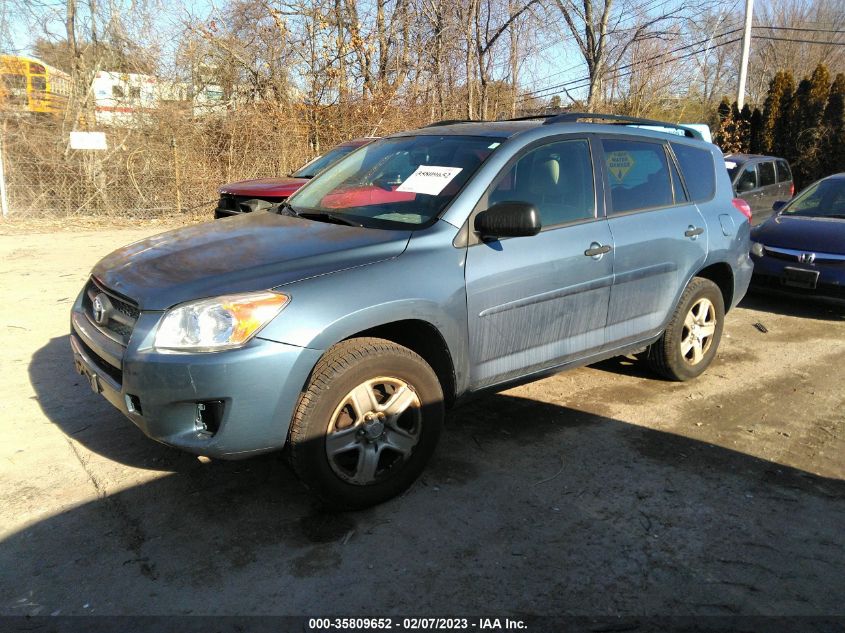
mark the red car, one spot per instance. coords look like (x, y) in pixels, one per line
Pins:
(251, 195)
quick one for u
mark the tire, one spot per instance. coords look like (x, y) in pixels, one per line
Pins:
(366, 424)
(683, 353)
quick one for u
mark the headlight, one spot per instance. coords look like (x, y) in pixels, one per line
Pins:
(209, 325)
(757, 249)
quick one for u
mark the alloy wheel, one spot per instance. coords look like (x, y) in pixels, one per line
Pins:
(373, 430)
(699, 327)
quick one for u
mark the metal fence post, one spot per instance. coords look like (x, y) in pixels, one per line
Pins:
(176, 176)
(4, 200)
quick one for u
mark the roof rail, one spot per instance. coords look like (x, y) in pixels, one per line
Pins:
(619, 119)
(529, 117)
(449, 122)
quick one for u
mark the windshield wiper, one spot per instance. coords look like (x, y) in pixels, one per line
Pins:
(322, 216)
(285, 208)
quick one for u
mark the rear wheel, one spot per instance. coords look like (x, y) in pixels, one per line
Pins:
(692, 337)
(367, 423)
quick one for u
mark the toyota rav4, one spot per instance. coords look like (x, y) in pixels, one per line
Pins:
(421, 268)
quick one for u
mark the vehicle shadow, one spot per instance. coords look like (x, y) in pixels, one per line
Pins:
(803, 307)
(628, 366)
(527, 508)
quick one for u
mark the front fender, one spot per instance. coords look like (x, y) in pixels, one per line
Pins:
(426, 283)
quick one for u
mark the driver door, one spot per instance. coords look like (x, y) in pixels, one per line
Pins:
(537, 302)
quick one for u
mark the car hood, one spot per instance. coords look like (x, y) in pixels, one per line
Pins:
(254, 251)
(270, 187)
(802, 234)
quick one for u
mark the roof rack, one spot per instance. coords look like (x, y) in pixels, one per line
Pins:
(519, 118)
(570, 117)
(529, 117)
(449, 122)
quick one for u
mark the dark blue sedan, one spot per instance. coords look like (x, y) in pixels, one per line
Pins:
(802, 249)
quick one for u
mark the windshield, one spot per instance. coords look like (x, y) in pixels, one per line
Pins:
(825, 199)
(732, 168)
(314, 167)
(405, 181)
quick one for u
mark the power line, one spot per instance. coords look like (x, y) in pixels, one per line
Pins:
(533, 93)
(795, 28)
(568, 84)
(675, 50)
(630, 72)
(567, 38)
(789, 39)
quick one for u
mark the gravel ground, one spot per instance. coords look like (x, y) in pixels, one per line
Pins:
(600, 491)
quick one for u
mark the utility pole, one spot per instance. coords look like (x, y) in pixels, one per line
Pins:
(746, 47)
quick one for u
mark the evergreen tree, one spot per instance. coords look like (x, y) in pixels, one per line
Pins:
(811, 100)
(798, 144)
(816, 98)
(834, 112)
(744, 128)
(782, 136)
(723, 113)
(771, 111)
(755, 144)
(833, 125)
(731, 135)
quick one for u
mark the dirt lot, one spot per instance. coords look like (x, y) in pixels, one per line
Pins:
(599, 491)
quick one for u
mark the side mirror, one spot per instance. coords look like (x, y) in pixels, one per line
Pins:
(508, 219)
(779, 204)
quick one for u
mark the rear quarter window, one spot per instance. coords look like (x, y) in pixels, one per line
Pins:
(784, 173)
(698, 170)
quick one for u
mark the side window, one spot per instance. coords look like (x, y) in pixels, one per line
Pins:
(747, 179)
(117, 91)
(698, 169)
(766, 172)
(556, 178)
(784, 174)
(638, 174)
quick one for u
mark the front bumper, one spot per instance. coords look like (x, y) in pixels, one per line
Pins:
(257, 387)
(772, 274)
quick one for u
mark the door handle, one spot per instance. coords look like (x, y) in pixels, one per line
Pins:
(693, 231)
(597, 250)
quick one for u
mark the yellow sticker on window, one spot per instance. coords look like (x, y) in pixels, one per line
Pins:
(619, 164)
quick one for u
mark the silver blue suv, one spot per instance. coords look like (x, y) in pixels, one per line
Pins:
(422, 268)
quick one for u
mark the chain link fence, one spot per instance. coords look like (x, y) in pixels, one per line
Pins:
(166, 163)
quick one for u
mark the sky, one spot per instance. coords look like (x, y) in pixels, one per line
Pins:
(551, 62)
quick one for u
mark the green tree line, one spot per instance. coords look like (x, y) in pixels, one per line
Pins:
(804, 124)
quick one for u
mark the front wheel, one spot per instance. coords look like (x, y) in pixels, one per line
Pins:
(367, 423)
(692, 337)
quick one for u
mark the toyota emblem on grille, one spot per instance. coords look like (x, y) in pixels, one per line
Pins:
(100, 308)
(807, 258)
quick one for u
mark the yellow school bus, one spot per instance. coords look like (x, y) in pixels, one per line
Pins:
(29, 85)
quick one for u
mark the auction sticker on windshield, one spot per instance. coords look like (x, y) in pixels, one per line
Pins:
(429, 180)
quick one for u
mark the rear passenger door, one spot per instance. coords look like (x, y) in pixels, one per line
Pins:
(659, 236)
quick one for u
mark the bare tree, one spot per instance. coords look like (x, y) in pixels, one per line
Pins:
(603, 33)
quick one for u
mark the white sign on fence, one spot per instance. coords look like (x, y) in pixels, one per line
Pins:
(88, 140)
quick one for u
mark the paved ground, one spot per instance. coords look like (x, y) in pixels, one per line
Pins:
(598, 491)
